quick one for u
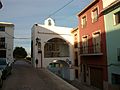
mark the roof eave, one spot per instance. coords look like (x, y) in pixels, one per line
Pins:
(111, 5)
(74, 29)
(6, 24)
(87, 7)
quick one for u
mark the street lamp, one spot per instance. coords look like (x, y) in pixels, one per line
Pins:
(37, 40)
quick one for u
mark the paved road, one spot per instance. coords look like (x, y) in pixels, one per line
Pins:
(25, 77)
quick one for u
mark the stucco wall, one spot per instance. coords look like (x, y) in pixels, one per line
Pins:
(44, 33)
(107, 2)
(9, 40)
(112, 39)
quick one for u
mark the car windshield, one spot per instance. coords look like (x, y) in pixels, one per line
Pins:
(2, 61)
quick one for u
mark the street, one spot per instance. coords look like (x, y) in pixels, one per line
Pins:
(25, 77)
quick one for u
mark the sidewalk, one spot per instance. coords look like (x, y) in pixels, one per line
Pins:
(81, 86)
(74, 83)
(59, 82)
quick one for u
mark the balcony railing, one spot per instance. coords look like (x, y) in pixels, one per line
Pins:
(3, 45)
(95, 49)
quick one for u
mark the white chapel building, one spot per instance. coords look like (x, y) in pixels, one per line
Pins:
(50, 43)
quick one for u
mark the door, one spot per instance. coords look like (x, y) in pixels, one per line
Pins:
(40, 60)
(84, 73)
(76, 74)
(96, 78)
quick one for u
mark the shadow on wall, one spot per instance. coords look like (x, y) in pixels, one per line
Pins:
(102, 50)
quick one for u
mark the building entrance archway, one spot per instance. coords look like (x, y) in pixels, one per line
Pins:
(56, 47)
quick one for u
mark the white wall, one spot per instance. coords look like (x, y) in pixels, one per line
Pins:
(9, 40)
(63, 33)
(47, 32)
(107, 2)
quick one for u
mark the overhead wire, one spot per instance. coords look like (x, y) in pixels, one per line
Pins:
(60, 9)
(17, 37)
(47, 17)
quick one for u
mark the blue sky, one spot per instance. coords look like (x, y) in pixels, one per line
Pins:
(25, 13)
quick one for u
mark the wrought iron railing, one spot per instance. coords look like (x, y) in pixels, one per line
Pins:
(92, 49)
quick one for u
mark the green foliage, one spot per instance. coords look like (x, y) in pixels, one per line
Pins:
(19, 52)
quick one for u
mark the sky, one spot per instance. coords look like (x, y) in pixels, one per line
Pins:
(25, 13)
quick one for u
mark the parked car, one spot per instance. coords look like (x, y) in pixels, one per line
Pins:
(1, 80)
(5, 67)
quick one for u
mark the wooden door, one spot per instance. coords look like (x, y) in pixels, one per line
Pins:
(96, 77)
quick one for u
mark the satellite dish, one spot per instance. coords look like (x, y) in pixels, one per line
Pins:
(1, 5)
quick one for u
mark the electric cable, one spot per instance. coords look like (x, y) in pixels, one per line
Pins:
(60, 9)
(17, 37)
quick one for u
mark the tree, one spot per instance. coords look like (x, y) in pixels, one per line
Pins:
(19, 52)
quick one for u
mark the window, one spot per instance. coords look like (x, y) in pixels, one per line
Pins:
(115, 78)
(39, 47)
(96, 42)
(84, 21)
(75, 41)
(85, 44)
(76, 73)
(118, 54)
(95, 15)
(2, 42)
(2, 28)
(76, 59)
(2, 53)
(117, 18)
(51, 50)
(49, 22)
(75, 45)
(75, 37)
(2, 39)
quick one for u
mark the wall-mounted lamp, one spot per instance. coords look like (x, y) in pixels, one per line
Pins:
(37, 40)
(38, 44)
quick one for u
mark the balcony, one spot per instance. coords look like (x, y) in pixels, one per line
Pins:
(3, 45)
(93, 50)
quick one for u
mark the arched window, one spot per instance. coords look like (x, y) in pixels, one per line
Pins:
(56, 47)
